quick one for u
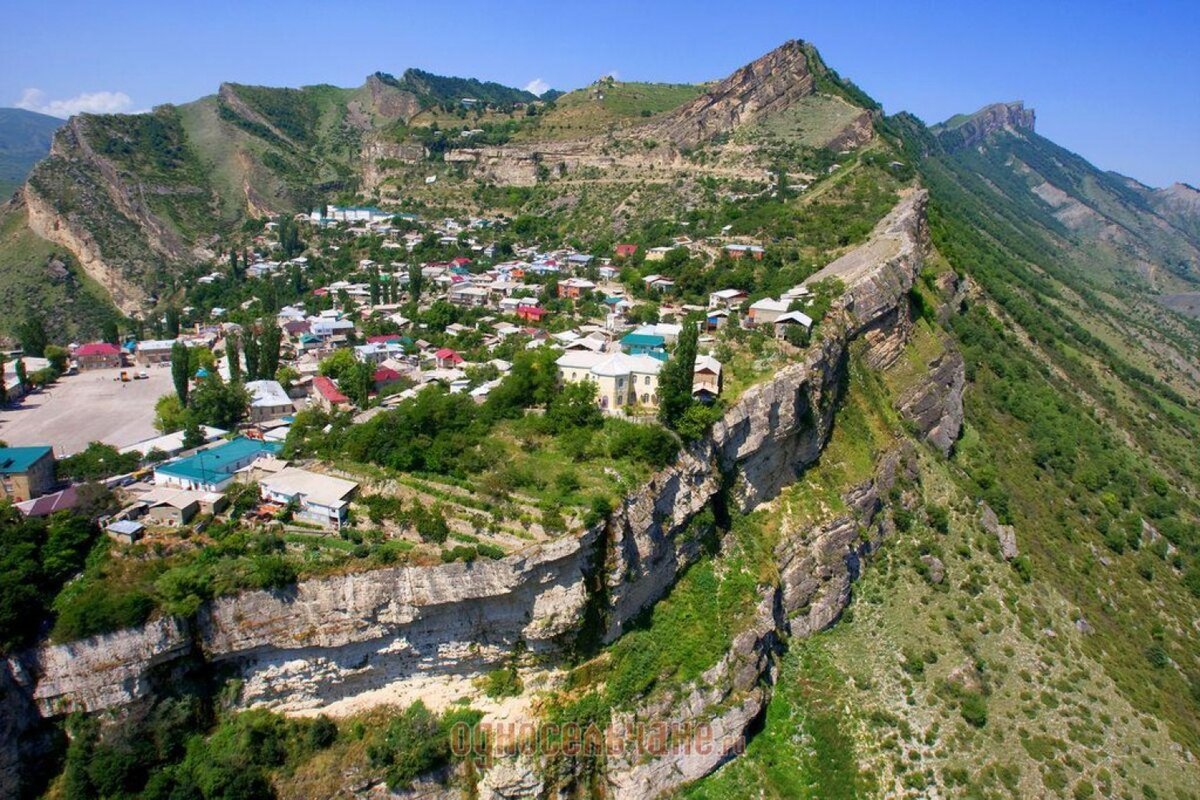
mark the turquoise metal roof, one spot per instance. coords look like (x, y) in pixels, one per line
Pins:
(19, 459)
(218, 463)
(643, 340)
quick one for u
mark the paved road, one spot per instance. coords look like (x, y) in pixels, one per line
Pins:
(87, 407)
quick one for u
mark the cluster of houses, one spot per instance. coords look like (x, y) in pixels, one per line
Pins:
(623, 359)
(190, 484)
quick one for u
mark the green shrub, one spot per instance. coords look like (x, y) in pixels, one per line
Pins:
(503, 682)
(973, 708)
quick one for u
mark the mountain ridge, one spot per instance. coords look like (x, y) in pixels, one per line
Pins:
(25, 138)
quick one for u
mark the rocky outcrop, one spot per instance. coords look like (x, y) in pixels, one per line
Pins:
(391, 102)
(54, 227)
(1006, 535)
(25, 737)
(377, 156)
(325, 640)
(934, 405)
(769, 84)
(778, 427)
(817, 568)
(959, 134)
(105, 215)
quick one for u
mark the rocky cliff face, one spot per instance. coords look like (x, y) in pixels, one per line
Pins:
(81, 199)
(769, 84)
(987, 120)
(328, 640)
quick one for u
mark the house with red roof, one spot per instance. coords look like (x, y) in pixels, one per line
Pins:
(386, 338)
(447, 358)
(98, 355)
(327, 395)
(625, 250)
(531, 313)
(386, 376)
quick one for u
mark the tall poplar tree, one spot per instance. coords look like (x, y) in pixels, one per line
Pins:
(180, 371)
(675, 380)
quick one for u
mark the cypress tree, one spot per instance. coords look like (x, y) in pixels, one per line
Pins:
(675, 383)
(250, 349)
(180, 371)
(268, 356)
(235, 359)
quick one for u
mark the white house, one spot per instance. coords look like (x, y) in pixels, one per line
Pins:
(767, 310)
(268, 400)
(320, 499)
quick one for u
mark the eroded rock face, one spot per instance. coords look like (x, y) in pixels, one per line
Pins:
(325, 640)
(987, 120)
(342, 637)
(1006, 535)
(935, 405)
(768, 84)
(25, 738)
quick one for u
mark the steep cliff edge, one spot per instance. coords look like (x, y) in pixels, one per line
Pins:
(329, 640)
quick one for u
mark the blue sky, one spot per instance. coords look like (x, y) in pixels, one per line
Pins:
(1118, 82)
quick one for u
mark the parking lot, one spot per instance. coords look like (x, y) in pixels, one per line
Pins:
(87, 407)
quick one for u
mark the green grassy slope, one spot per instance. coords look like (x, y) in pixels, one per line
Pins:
(1072, 671)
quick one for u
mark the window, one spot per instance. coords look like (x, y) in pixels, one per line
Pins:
(645, 398)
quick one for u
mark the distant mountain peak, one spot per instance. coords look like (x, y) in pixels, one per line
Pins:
(968, 130)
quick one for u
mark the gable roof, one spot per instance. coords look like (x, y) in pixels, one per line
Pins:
(218, 463)
(643, 340)
(47, 504)
(329, 390)
(795, 316)
(769, 304)
(98, 349)
(706, 363)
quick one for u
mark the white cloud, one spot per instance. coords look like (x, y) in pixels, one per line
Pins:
(85, 103)
(537, 86)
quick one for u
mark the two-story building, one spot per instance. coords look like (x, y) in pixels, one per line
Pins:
(268, 401)
(320, 499)
(621, 380)
(26, 472)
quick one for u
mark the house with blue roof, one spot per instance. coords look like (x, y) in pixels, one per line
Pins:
(644, 344)
(212, 470)
(26, 472)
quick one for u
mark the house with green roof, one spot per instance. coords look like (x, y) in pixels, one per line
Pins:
(212, 470)
(26, 472)
(644, 344)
